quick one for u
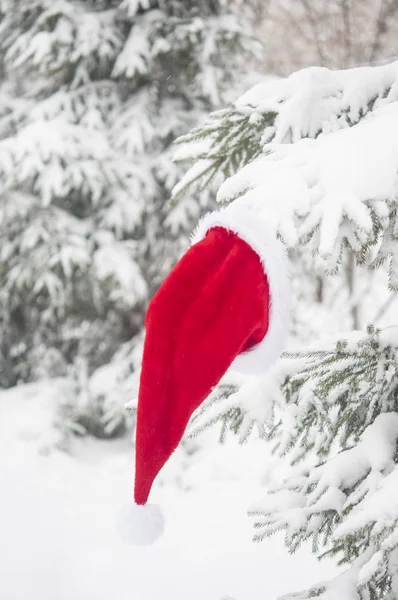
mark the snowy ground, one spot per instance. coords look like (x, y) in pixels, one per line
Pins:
(57, 536)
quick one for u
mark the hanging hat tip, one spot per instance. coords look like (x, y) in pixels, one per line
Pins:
(140, 524)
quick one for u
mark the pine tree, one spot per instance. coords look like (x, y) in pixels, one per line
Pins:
(93, 94)
(316, 155)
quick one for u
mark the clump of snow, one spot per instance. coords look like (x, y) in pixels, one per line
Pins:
(30, 420)
(113, 262)
(317, 100)
(381, 507)
(134, 58)
(375, 452)
(322, 488)
(329, 184)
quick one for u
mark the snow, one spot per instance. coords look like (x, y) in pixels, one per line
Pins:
(58, 511)
(79, 37)
(62, 158)
(192, 150)
(113, 262)
(196, 171)
(136, 53)
(28, 422)
(315, 182)
(294, 500)
(319, 100)
(375, 451)
(133, 6)
(380, 507)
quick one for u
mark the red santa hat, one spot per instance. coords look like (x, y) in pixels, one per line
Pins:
(225, 304)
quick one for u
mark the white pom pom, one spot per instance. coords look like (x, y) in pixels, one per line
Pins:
(140, 524)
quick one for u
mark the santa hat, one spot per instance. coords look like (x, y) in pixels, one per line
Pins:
(225, 304)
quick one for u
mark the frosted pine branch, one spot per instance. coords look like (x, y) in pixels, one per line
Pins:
(308, 103)
(292, 150)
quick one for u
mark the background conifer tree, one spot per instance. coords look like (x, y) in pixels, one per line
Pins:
(93, 95)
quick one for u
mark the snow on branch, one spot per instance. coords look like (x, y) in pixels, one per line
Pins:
(336, 190)
(240, 404)
(331, 411)
(66, 35)
(336, 187)
(310, 102)
(62, 159)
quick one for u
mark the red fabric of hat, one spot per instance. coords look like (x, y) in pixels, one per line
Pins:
(213, 305)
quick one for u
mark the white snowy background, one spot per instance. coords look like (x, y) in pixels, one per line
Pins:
(57, 520)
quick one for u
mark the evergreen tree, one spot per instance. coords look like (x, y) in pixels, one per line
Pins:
(316, 155)
(93, 94)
